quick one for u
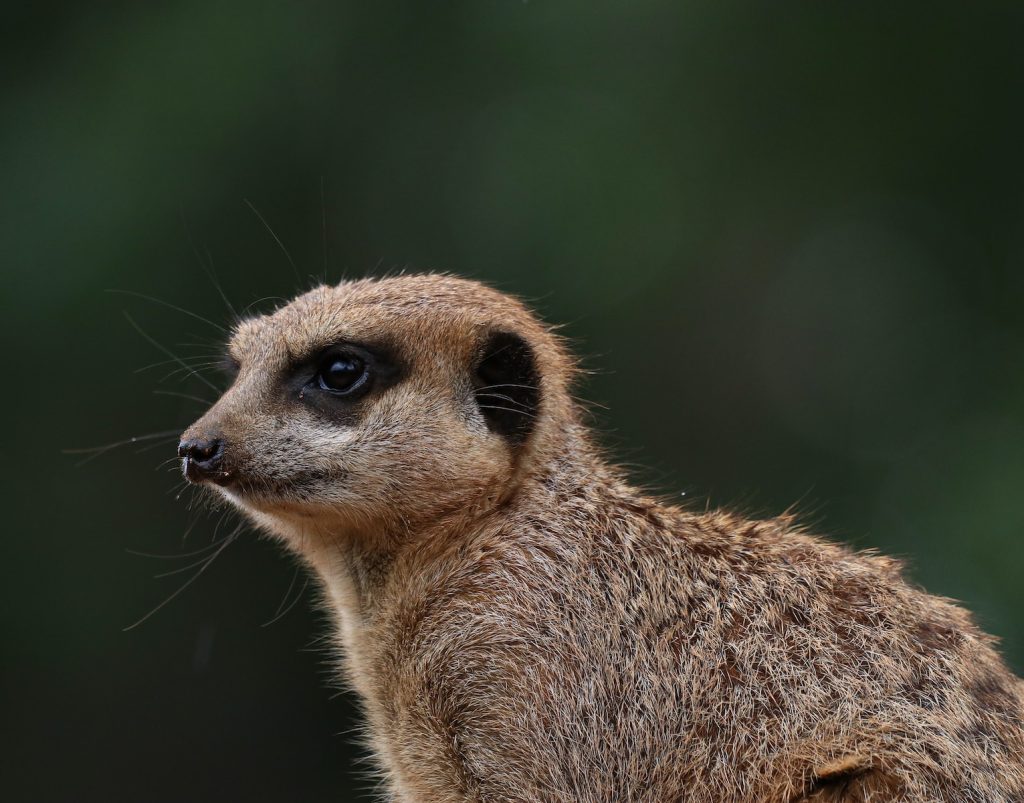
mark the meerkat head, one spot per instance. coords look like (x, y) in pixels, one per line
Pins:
(380, 401)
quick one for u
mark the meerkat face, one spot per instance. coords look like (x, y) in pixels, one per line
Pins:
(374, 402)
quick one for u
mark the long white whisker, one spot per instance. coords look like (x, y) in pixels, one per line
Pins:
(188, 396)
(95, 451)
(506, 409)
(207, 266)
(323, 225)
(192, 370)
(277, 240)
(502, 397)
(506, 385)
(280, 614)
(174, 307)
(170, 354)
(206, 565)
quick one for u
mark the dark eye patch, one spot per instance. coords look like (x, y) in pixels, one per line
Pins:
(334, 379)
(507, 386)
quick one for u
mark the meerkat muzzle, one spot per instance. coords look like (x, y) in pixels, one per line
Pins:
(202, 460)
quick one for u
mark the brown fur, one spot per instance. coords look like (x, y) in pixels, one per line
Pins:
(522, 624)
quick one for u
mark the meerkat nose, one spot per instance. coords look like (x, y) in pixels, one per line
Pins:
(202, 459)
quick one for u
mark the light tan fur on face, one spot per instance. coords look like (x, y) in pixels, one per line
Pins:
(522, 624)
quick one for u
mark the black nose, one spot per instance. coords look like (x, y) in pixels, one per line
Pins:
(202, 459)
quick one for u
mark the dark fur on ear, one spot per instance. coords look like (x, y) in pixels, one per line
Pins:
(508, 386)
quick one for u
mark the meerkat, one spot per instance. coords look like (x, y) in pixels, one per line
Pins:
(521, 624)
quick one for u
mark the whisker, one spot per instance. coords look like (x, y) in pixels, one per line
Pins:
(506, 385)
(260, 301)
(189, 529)
(188, 396)
(95, 451)
(207, 266)
(170, 354)
(501, 397)
(157, 445)
(167, 463)
(181, 486)
(220, 290)
(206, 565)
(194, 496)
(280, 614)
(277, 240)
(180, 569)
(180, 555)
(167, 304)
(205, 345)
(506, 409)
(185, 360)
(323, 225)
(192, 370)
(220, 523)
(287, 593)
(160, 556)
(198, 360)
(134, 439)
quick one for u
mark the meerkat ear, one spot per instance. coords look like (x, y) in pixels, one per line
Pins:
(508, 385)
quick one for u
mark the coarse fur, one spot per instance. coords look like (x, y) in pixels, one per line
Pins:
(522, 624)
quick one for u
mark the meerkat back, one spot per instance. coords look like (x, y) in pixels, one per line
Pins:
(522, 624)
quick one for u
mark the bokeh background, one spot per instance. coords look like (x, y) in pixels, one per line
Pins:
(788, 238)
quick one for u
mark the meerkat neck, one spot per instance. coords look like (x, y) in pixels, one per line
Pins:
(355, 568)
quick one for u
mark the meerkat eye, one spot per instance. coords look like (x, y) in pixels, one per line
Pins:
(342, 374)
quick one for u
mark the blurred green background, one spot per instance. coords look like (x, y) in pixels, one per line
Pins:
(788, 237)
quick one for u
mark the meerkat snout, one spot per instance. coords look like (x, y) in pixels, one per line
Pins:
(202, 459)
(523, 624)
